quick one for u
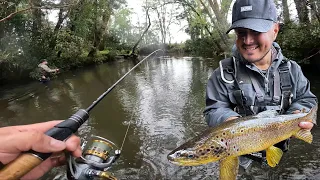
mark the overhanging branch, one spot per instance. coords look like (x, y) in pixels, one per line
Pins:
(34, 7)
(14, 13)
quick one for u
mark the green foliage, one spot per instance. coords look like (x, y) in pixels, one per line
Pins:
(122, 28)
(39, 46)
(28, 37)
(112, 43)
(69, 45)
(104, 52)
(200, 47)
(299, 41)
(176, 48)
(81, 18)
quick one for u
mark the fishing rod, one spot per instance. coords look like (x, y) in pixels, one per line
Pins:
(62, 131)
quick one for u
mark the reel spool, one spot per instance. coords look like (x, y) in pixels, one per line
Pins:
(98, 158)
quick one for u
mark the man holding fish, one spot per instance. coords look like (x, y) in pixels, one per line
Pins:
(258, 78)
(265, 79)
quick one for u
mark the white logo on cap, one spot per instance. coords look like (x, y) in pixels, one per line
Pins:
(246, 8)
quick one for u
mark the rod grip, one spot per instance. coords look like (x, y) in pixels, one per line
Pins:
(19, 167)
(28, 160)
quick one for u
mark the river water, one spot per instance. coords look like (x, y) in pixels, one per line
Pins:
(162, 101)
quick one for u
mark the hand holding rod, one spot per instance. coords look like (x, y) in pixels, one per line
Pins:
(62, 131)
(27, 161)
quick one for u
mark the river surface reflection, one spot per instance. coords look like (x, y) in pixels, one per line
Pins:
(162, 100)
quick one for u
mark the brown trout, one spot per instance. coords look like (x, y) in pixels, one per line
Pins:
(242, 136)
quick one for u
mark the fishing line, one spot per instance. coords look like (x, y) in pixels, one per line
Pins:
(125, 136)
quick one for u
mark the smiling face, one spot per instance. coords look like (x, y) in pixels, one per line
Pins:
(255, 46)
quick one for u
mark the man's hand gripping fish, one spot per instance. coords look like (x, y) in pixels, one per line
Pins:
(242, 136)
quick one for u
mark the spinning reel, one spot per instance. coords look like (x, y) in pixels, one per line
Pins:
(96, 160)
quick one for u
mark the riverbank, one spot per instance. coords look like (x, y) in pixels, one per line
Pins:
(13, 73)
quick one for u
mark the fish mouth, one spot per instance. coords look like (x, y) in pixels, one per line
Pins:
(171, 157)
(179, 158)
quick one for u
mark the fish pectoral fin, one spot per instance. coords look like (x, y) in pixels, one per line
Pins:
(229, 168)
(274, 155)
(304, 135)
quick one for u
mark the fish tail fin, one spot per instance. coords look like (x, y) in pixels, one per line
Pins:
(312, 115)
(273, 155)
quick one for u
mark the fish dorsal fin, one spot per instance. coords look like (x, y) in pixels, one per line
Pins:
(229, 168)
(304, 135)
(274, 155)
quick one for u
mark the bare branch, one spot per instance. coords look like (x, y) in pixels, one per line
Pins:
(14, 13)
(310, 56)
(35, 7)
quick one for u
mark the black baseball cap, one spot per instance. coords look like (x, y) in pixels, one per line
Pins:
(258, 15)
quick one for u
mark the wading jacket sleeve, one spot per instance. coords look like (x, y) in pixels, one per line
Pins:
(220, 101)
(46, 68)
(218, 105)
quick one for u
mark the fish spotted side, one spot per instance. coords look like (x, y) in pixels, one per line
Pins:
(242, 136)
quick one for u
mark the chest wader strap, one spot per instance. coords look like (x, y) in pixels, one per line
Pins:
(285, 84)
(240, 100)
(276, 88)
(229, 70)
(242, 108)
(254, 81)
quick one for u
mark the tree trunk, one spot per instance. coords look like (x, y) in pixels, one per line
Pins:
(302, 10)
(61, 18)
(286, 14)
(37, 17)
(99, 29)
(60, 21)
(93, 50)
(74, 15)
(315, 10)
(144, 32)
(222, 35)
(3, 13)
(161, 26)
(206, 26)
(221, 18)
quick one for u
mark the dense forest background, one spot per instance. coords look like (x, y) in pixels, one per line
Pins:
(93, 31)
